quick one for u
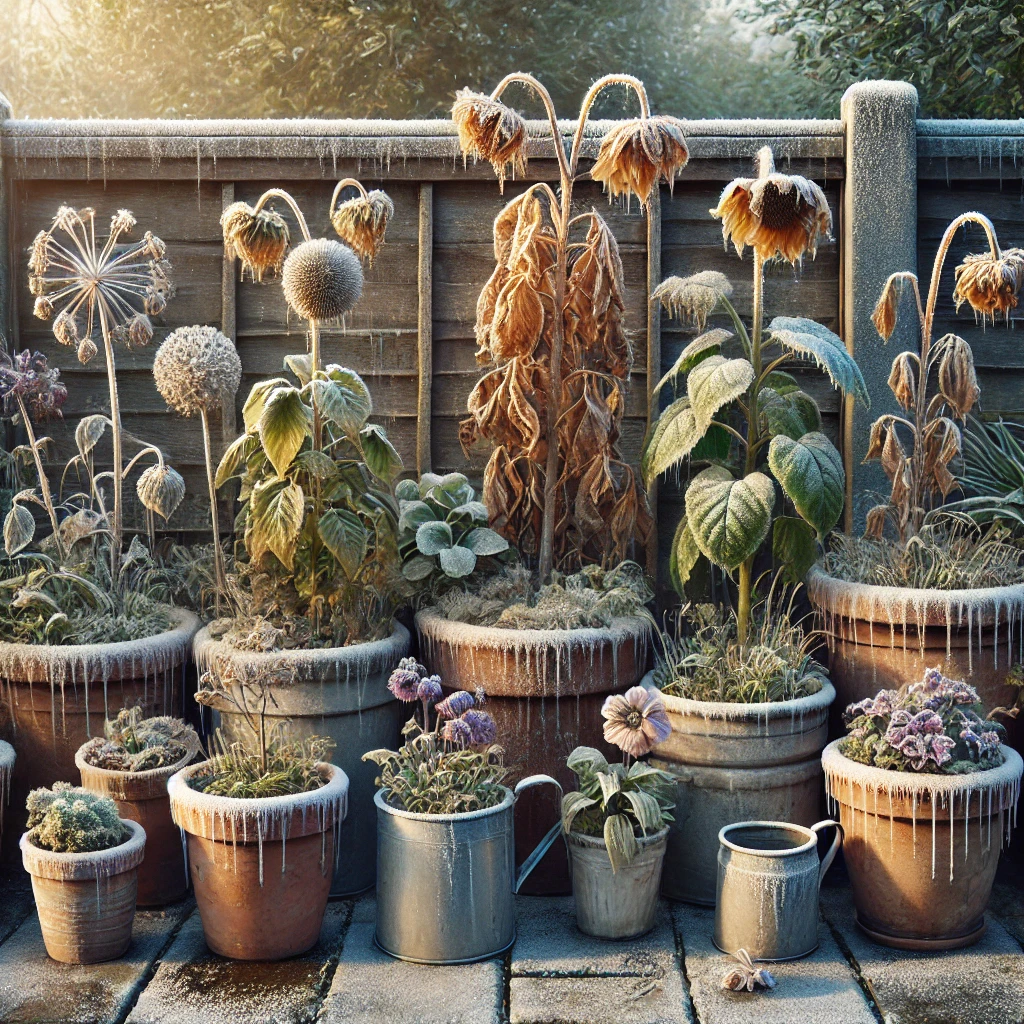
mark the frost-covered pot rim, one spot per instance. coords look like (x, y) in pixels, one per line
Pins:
(75, 867)
(625, 627)
(441, 819)
(7, 755)
(798, 706)
(165, 771)
(598, 843)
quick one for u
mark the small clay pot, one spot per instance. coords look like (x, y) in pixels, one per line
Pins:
(86, 901)
(142, 797)
(261, 868)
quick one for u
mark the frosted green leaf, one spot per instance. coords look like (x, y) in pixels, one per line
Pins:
(380, 454)
(276, 511)
(353, 404)
(811, 340)
(572, 803)
(697, 351)
(476, 510)
(231, 461)
(301, 365)
(434, 537)
(318, 465)
(346, 538)
(253, 408)
(413, 514)
(683, 556)
(714, 383)
(646, 809)
(794, 547)
(811, 473)
(284, 424)
(584, 760)
(484, 541)
(417, 568)
(794, 413)
(675, 435)
(619, 838)
(729, 518)
(457, 562)
(407, 490)
(19, 529)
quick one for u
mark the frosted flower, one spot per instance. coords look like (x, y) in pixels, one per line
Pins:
(26, 379)
(483, 732)
(744, 976)
(693, 297)
(920, 748)
(990, 284)
(429, 689)
(488, 130)
(404, 684)
(455, 705)
(635, 721)
(196, 370)
(457, 731)
(259, 240)
(362, 221)
(636, 154)
(322, 279)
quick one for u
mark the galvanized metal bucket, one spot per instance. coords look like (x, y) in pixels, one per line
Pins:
(768, 881)
(445, 882)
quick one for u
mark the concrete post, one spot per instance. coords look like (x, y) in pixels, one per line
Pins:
(879, 237)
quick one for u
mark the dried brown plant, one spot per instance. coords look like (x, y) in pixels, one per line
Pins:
(361, 221)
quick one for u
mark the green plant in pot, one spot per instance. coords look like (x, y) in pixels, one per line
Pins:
(926, 585)
(83, 860)
(734, 679)
(926, 790)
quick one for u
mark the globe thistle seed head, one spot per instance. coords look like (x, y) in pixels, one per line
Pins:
(635, 155)
(488, 130)
(43, 308)
(322, 279)
(259, 240)
(197, 369)
(362, 221)
(65, 329)
(86, 350)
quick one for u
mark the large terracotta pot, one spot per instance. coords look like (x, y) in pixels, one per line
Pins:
(544, 689)
(261, 868)
(54, 698)
(735, 762)
(922, 850)
(86, 901)
(142, 797)
(884, 637)
(342, 693)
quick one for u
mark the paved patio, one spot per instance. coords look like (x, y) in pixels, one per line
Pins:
(554, 975)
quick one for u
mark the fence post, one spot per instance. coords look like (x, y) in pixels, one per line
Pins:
(879, 237)
(6, 239)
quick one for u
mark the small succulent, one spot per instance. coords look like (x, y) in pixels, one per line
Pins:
(744, 976)
(132, 743)
(67, 819)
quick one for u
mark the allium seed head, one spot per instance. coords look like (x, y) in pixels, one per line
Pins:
(197, 369)
(322, 279)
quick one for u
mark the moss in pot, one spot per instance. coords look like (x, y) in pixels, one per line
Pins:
(926, 791)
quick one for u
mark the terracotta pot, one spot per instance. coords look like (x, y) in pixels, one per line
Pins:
(54, 698)
(545, 689)
(735, 762)
(921, 850)
(340, 692)
(142, 797)
(884, 637)
(86, 901)
(261, 868)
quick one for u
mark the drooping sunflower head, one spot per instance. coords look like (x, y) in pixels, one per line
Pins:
(777, 215)
(488, 130)
(637, 154)
(258, 239)
(361, 222)
(990, 284)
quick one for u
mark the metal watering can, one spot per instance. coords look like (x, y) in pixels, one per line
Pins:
(769, 876)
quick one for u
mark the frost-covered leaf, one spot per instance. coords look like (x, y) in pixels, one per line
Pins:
(407, 490)
(160, 489)
(284, 424)
(703, 346)
(714, 446)
(485, 541)
(301, 365)
(476, 510)
(809, 339)
(714, 383)
(261, 391)
(342, 398)
(811, 473)
(433, 537)
(417, 568)
(383, 460)
(232, 460)
(794, 413)
(346, 538)
(646, 809)
(794, 547)
(619, 838)
(319, 465)
(729, 518)
(89, 431)
(276, 512)
(683, 556)
(413, 514)
(586, 761)
(675, 434)
(19, 529)
(457, 561)
(572, 803)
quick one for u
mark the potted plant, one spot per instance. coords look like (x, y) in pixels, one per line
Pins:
(926, 792)
(921, 588)
(746, 701)
(83, 860)
(131, 764)
(86, 606)
(261, 819)
(316, 578)
(616, 823)
(445, 828)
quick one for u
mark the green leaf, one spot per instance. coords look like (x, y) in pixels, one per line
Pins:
(417, 568)
(697, 351)
(794, 413)
(19, 529)
(476, 510)
(160, 489)
(89, 431)
(619, 838)
(586, 761)
(276, 511)
(346, 538)
(413, 514)
(457, 561)
(782, 382)
(811, 340)
(683, 556)
(714, 446)
(284, 424)
(407, 490)
(729, 518)
(811, 474)
(382, 459)
(610, 785)
(433, 537)
(646, 810)
(675, 435)
(714, 383)
(794, 547)
(319, 465)
(342, 398)
(261, 391)
(301, 365)
(572, 803)
(232, 459)
(484, 541)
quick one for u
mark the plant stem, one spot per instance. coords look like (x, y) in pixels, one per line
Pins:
(117, 528)
(44, 483)
(218, 555)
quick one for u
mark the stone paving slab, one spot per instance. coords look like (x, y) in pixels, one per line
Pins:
(194, 986)
(16, 901)
(37, 990)
(983, 984)
(820, 989)
(600, 1000)
(1007, 905)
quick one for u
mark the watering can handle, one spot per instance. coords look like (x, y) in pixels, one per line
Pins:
(826, 861)
(550, 836)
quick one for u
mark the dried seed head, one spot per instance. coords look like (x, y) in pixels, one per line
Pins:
(488, 130)
(322, 279)
(65, 329)
(122, 222)
(362, 221)
(139, 330)
(86, 350)
(197, 369)
(635, 155)
(67, 217)
(957, 379)
(990, 285)
(903, 379)
(160, 489)
(777, 215)
(43, 308)
(39, 257)
(259, 240)
(155, 302)
(36, 284)
(693, 297)
(154, 247)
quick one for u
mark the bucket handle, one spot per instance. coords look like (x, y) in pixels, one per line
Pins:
(826, 861)
(550, 836)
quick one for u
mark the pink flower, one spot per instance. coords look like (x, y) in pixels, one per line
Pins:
(635, 721)
(457, 732)
(455, 705)
(483, 731)
(404, 683)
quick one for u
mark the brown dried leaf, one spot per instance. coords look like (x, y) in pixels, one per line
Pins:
(957, 379)
(903, 379)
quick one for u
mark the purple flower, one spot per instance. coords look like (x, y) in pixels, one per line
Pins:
(429, 689)
(924, 723)
(458, 732)
(920, 748)
(413, 666)
(881, 704)
(981, 746)
(483, 732)
(455, 705)
(404, 684)
(27, 376)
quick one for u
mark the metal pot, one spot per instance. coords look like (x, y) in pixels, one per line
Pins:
(768, 881)
(445, 881)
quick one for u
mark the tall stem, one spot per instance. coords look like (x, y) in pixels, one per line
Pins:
(117, 528)
(279, 193)
(218, 554)
(44, 483)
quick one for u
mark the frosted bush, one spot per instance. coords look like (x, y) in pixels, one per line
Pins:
(67, 819)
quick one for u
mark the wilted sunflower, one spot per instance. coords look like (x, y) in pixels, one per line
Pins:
(636, 154)
(989, 283)
(362, 220)
(258, 239)
(488, 130)
(775, 214)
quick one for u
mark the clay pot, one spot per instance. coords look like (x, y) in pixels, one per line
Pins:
(922, 850)
(86, 901)
(735, 762)
(545, 689)
(142, 797)
(260, 868)
(54, 698)
(884, 637)
(342, 693)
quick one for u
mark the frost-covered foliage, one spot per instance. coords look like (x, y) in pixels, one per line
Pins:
(931, 726)
(744, 976)
(616, 802)
(591, 598)
(67, 819)
(131, 743)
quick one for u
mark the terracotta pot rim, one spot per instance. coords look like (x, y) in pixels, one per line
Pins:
(761, 711)
(83, 866)
(167, 770)
(598, 843)
(460, 633)
(441, 819)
